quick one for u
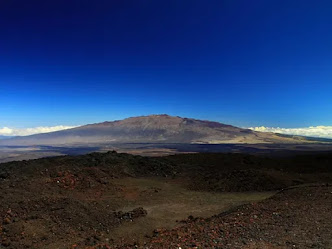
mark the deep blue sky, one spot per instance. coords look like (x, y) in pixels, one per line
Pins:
(246, 63)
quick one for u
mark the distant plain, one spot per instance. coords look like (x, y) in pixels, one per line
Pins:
(18, 153)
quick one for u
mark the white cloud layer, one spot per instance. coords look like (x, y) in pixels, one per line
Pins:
(6, 131)
(312, 131)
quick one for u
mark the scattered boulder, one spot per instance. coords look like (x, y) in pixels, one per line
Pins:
(131, 215)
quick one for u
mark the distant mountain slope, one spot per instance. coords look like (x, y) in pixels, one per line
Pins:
(5, 137)
(152, 129)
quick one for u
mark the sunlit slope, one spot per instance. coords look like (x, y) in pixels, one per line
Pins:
(153, 129)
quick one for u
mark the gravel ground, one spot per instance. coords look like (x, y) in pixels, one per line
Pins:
(294, 218)
(75, 202)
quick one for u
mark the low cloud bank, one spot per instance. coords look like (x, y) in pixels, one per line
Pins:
(6, 131)
(312, 131)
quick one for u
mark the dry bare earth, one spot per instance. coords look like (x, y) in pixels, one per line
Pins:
(167, 203)
(95, 199)
(295, 218)
(64, 214)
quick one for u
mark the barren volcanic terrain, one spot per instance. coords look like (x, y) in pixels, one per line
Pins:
(156, 135)
(153, 129)
(203, 200)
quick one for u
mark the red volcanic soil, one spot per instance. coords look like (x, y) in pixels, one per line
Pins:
(84, 201)
(294, 218)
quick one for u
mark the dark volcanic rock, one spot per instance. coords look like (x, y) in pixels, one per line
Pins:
(294, 218)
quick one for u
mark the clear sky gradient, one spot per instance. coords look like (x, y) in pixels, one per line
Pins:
(246, 63)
